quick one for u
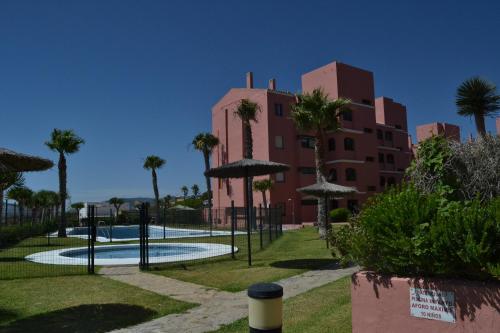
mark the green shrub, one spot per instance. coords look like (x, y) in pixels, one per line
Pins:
(341, 243)
(405, 232)
(12, 234)
(339, 215)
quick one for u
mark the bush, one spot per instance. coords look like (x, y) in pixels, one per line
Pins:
(13, 234)
(341, 243)
(339, 215)
(405, 232)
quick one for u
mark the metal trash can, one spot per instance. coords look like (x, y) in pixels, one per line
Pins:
(265, 308)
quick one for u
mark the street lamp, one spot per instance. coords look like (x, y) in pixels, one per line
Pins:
(293, 210)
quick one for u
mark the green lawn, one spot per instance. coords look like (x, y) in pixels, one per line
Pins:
(78, 304)
(324, 309)
(295, 252)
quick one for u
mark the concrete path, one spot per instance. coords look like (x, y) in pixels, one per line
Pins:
(216, 308)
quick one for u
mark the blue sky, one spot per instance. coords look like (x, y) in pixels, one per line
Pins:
(139, 77)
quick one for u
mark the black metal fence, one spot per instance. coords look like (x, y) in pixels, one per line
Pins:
(36, 249)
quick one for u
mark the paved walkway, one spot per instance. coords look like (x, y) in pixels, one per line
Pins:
(216, 308)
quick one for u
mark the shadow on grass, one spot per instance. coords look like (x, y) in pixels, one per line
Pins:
(6, 315)
(82, 318)
(11, 259)
(306, 264)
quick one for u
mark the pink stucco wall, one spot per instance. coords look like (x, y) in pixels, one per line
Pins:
(338, 80)
(448, 130)
(382, 305)
(498, 125)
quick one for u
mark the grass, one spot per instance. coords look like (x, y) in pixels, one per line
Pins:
(13, 265)
(324, 309)
(295, 252)
(78, 304)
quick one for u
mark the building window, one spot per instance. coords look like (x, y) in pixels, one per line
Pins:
(331, 144)
(380, 158)
(278, 142)
(367, 130)
(382, 181)
(370, 159)
(349, 144)
(334, 204)
(309, 202)
(352, 205)
(332, 175)
(367, 102)
(307, 142)
(391, 181)
(371, 188)
(390, 158)
(380, 135)
(279, 177)
(347, 115)
(398, 126)
(388, 136)
(307, 170)
(350, 174)
(278, 109)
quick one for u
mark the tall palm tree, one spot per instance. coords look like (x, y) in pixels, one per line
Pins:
(247, 111)
(8, 179)
(477, 98)
(315, 112)
(64, 142)
(184, 191)
(154, 163)
(206, 142)
(263, 186)
(22, 195)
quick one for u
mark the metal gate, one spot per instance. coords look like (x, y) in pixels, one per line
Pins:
(144, 237)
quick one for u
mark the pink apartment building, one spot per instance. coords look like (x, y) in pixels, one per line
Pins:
(369, 152)
(447, 130)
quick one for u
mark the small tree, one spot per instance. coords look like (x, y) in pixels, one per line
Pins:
(185, 191)
(78, 206)
(167, 201)
(195, 190)
(22, 195)
(263, 186)
(8, 179)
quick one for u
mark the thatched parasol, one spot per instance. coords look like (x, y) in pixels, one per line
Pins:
(247, 168)
(10, 161)
(325, 190)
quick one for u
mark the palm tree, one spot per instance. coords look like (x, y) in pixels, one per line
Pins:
(23, 196)
(477, 98)
(195, 189)
(185, 192)
(8, 179)
(53, 204)
(167, 200)
(154, 163)
(64, 142)
(117, 203)
(78, 206)
(316, 113)
(263, 186)
(247, 112)
(206, 142)
(43, 199)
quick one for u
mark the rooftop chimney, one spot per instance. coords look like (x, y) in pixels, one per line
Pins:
(249, 80)
(272, 84)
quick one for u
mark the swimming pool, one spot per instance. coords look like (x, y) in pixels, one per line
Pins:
(128, 254)
(131, 232)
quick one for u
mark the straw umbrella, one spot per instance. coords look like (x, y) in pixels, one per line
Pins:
(323, 189)
(247, 168)
(10, 161)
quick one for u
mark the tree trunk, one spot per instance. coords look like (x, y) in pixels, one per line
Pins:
(157, 195)
(1, 207)
(480, 125)
(249, 154)
(62, 192)
(320, 176)
(206, 157)
(264, 199)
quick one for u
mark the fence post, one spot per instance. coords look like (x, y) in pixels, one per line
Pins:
(111, 224)
(280, 216)
(233, 222)
(164, 222)
(269, 218)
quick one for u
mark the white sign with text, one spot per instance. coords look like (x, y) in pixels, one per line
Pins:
(432, 304)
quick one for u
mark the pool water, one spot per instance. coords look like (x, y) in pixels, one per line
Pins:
(132, 251)
(131, 232)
